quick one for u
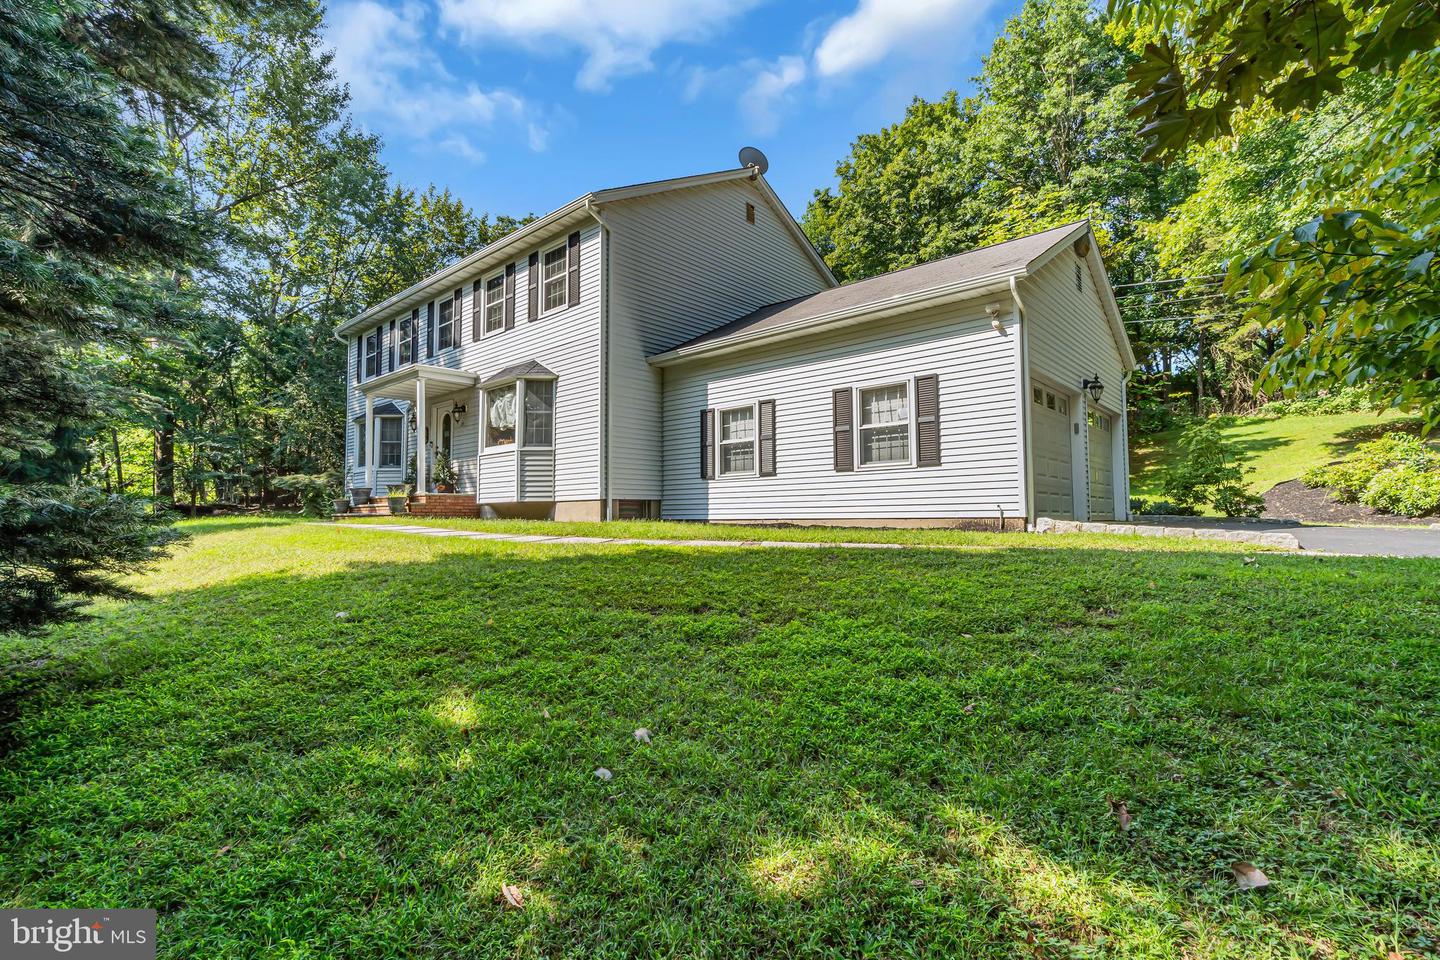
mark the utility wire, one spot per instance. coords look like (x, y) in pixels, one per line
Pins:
(1208, 278)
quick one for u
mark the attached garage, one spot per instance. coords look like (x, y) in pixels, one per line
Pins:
(1050, 419)
(1102, 465)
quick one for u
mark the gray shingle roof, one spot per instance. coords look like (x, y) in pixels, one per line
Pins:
(530, 368)
(1012, 256)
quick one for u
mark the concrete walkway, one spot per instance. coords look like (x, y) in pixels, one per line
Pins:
(535, 538)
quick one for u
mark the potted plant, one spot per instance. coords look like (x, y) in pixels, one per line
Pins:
(339, 504)
(398, 495)
(359, 495)
(444, 478)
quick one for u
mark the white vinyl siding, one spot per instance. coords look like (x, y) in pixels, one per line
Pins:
(980, 472)
(683, 263)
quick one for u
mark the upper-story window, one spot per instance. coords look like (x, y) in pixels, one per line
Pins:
(445, 329)
(372, 354)
(407, 337)
(555, 280)
(495, 303)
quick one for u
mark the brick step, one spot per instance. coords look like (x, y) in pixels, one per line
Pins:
(371, 509)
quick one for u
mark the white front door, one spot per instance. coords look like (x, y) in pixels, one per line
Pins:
(1054, 478)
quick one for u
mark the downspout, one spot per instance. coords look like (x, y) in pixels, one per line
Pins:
(1027, 491)
(604, 359)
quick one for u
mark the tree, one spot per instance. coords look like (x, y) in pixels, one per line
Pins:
(1353, 288)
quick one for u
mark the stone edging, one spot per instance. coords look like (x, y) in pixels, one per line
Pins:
(1264, 538)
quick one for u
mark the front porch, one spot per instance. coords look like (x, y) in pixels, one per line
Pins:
(433, 393)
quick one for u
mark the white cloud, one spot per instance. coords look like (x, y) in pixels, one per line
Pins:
(617, 36)
(384, 56)
(460, 145)
(766, 88)
(879, 29)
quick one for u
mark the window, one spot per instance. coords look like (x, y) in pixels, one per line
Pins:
(446, 329)
(554, 279)
(500, 416)
(737, 441)
(539, 413)
(1079, 278)
(446, 432)
(392, 445)
(885, 425)
(360, 443)
(372, 354)
(407, 337)
(1100, 420)
(1051, 401)
(495, 303)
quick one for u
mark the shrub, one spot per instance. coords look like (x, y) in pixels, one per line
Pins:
(1208, 463)
(1349, 477)
(1407, 490)
(1160, 508)
(314, 490)
(1344, 400)
(1233, 500)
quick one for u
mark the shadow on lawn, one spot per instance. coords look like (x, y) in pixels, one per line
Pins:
(853, 751)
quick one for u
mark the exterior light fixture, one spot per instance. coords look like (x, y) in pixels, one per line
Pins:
(1094, 386)
(412, 419)
(457, 413)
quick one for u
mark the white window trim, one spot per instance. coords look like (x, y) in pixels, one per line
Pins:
(454, 323)
(379, 443)
(564, 249)
(372, 338)
(485, 305)
(519, 443)
(909, 385)
(754, 471)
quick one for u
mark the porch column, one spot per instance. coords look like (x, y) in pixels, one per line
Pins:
(370, 443)
(420, 485)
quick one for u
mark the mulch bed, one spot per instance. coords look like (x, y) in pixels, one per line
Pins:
(1292, 500)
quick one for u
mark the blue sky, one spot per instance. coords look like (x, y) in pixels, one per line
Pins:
(521, 105)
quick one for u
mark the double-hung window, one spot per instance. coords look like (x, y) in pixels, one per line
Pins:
(539, 413)
(737, 441)
(555, 280)
(885, 416)
(495, 303)
(360, 442)
(391, 441)
(372, 354)
(407, 338)
(445, 329)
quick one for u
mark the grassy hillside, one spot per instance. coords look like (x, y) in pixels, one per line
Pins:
(1277, 448)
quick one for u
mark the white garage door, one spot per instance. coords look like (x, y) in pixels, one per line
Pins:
(1050, 417)
(1102, 465)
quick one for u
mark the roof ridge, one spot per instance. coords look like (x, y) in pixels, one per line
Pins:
(960, 253)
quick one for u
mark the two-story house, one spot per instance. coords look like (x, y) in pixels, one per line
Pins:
(679, 349)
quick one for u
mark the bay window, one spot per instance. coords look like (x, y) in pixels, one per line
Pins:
(539, 413)
(392, 444)
(500, 416)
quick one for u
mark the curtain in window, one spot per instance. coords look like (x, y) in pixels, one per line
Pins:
(500, 416)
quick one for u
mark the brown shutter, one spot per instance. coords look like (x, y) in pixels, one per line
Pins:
(430, 329)
(843, 414)
(573, 263)
(415, 335)
(927, 420)
(533, 280)
(767, 438)
(509, 296)
(455, 336)
(707, 444)
(477, 308)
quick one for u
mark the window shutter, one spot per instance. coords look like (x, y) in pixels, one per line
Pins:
(767, 438)
(843, 412)
(456, 330)
(430, 329)
(927, 420)
(359, 356)
(414, 334)
(509, 296)
(533, 281)
(477, 308)
(707, 444)
(573, 263)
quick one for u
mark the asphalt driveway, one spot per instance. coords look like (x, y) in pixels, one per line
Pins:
(1326, 538)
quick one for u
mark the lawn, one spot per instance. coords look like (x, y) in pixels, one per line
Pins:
(321, 742)
(1277, 448)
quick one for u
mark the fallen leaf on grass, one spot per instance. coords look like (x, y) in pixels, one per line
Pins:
(1121, 814)
(969, 708)
(342, 615)
(1249, 561)
(223, 850)
(1248, 876)
(545, 712)
(604, 774)
(512, 896)
(642, 735)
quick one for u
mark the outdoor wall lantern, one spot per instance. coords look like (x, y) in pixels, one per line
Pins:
(1094, 386)
(412, 420)
(457, 413)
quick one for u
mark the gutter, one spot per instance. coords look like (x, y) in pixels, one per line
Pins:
(1027, 484)
(958, 290)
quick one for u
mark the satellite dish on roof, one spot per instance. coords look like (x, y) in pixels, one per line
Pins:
(752, 157)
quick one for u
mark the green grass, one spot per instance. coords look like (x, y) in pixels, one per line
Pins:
(855, 753)
(676, 530)
(1277, 448)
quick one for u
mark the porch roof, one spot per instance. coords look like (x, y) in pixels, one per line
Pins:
(405, 383)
